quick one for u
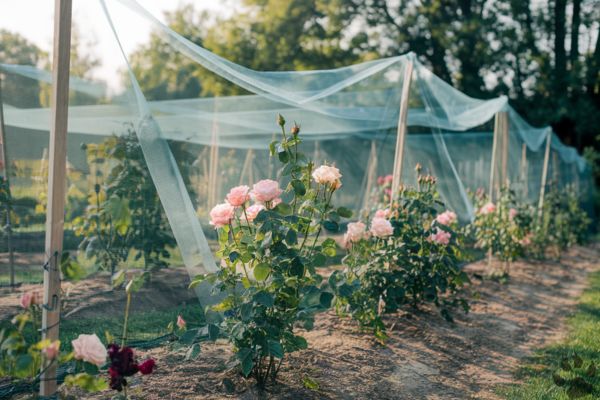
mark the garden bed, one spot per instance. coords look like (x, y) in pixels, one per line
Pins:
(425, 356)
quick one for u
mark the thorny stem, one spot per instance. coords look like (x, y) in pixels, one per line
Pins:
(124, 337)
(321, 218)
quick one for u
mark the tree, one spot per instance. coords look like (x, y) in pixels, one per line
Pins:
(19, 91)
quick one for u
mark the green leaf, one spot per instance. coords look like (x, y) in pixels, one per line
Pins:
(283, 209)
(264, 298)
(193, 352)
(189, 336)
(319, 260)
(275, 348)
(213, 332)
(344, 212)
(198, 279)
(329, 251)
(261, 271)
(283, 155)
(331, 226)
(310, 383)
(291, 237)
(118, 278)
(246, 362)
(90, 368)
(325, 299)
(299, 187)
(87, 382)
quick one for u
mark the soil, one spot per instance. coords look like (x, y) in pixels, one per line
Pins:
(426, 357)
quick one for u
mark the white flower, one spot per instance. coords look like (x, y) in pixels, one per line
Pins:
(381, 227)
(327, 175)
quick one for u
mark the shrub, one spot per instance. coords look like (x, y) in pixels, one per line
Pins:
(410, 255)
(269, 254)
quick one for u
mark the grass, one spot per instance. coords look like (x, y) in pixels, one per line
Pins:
(583, 339)
(142, 326)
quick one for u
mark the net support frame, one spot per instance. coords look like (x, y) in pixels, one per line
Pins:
(401, 132)
(56, 185)
(544, 172)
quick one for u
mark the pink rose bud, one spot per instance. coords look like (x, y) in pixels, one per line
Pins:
(181, 324)
(383, 213)
(52, 350)
(441, 237)
(238, 195)
(221, 215)
(488, 208)
(446, 218)
(26, 299)
(147, 366)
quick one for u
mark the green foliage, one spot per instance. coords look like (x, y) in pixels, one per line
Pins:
(124, 212)
(417, 263)
(268, 270)
(560, 224)
(501, 227)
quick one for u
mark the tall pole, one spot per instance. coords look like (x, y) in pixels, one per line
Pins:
(401, 133)
(524, 180)
(544, 172)
(503, 126)
(493, 161)
(5, 171)
(56, 185)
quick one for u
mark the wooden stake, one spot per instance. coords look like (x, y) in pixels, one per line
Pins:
(56, 185)
(503, 126)
(493, 161)
(544, 172)
(5, 168)
(400, 139)
(370, 175)
(524, 179)
(555, 168)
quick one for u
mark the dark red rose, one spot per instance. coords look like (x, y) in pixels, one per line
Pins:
(147, 366)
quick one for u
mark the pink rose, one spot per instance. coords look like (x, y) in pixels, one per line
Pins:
(380, 180)
(381, 227)
(383, 213)
(526, 241)
(52, 350)
(181, 324)
(253, 210)
(238, 195)
(488, 208)
(26, 300)
(446, 218)
(221, 215)
(441, 237)
(512, 213)
(327, 175)
(388, 179)
(31, 298)
(89, 348)
(356, 231)
(265, 190)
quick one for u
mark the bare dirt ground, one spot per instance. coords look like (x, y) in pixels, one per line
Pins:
(425, 357)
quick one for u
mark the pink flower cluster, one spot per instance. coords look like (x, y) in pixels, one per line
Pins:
(447, 218)
(381, 227)
(441, 237)
(488, 208)
(385, 180)
(356, 231)
(265, 193)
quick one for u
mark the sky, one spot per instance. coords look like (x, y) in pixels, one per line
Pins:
(34, 20)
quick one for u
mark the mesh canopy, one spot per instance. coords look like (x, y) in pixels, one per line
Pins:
(196, 149)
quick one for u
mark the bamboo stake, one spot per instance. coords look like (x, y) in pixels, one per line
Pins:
(493, 161)
(544, 172)
(370, 174)
(6, 173)
(503, 125)
(524, 179)
(56, 186)
(555, 169)
(400, 139)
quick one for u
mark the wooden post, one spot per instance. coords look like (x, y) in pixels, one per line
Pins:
(5, 171)
(400, 139)
(503, 126)
(544, 172)
(369, 176)
(524, 180)
(555, 168)
(56, 185)
(493, 161)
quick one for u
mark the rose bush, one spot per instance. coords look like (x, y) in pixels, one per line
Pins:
(409, 255)
(269, 253)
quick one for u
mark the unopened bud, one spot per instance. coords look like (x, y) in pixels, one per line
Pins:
(295, 129)
(280, 120)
